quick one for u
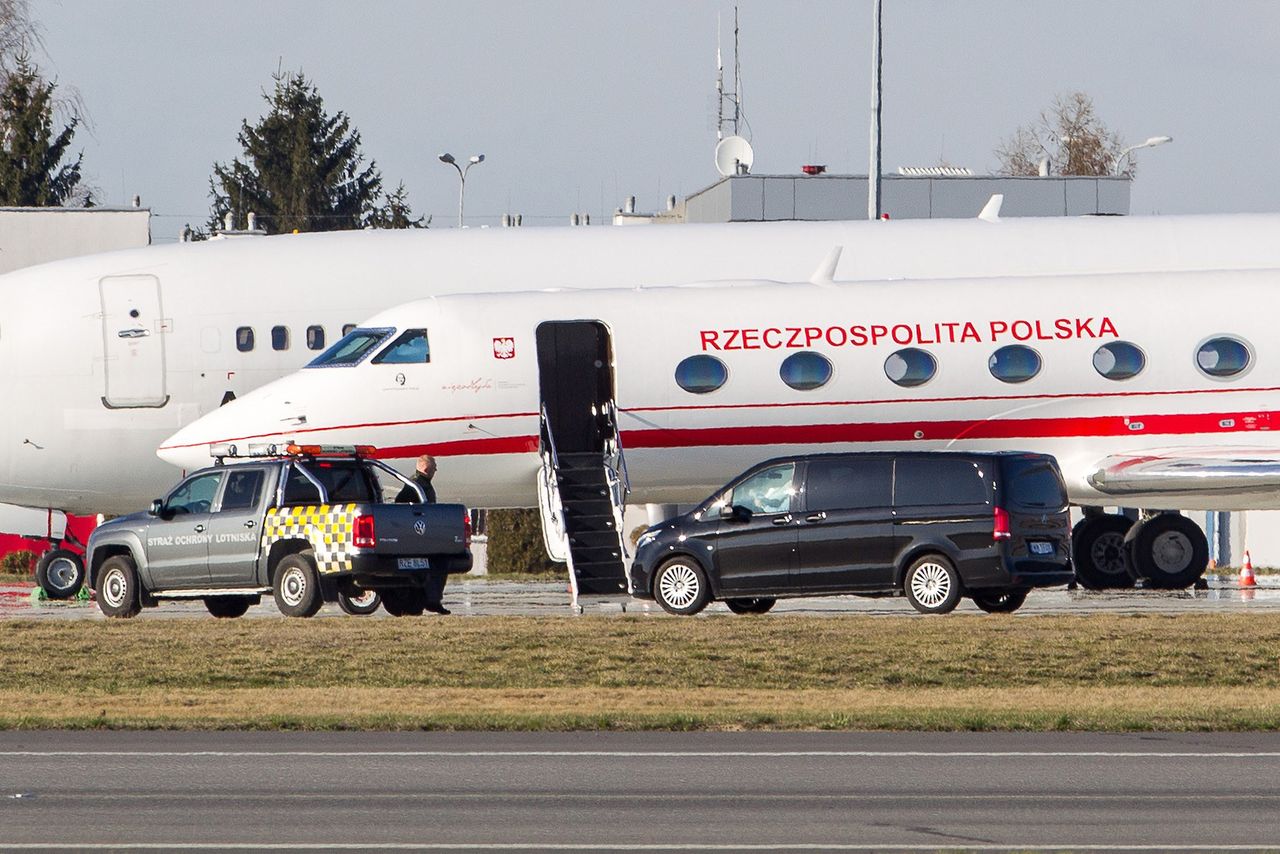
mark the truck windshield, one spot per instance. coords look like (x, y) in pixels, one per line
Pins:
(352, 348)
(1033, 482)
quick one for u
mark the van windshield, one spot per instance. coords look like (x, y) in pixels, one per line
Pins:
(1033, 482)
(351, 349)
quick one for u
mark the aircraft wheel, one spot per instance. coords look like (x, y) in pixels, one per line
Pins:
(228, 607)
(932, 585)
(1000, 601)
(758, 605)
(60, 573)
(1169, 551)
(359, 604)
(1099, 554)
(118, 588)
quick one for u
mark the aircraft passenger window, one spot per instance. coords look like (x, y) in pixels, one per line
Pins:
(1119, 360)
(805, 371)
(910, 367)
(1014, 364)
(244, 339)
(409, 349)
(701, 374)
(315, 337)
(279, 338)
(1223, 357)
(351, 349)
(347, 328)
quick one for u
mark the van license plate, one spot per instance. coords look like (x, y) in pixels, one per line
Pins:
(1039, 547)
(413, 563)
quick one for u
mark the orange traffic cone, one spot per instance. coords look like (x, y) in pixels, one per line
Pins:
(1247, 578)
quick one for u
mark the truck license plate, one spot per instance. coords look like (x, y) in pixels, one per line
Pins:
(1039, 547)
(413, 563)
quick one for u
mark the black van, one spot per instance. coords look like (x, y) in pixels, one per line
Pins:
(933, 526)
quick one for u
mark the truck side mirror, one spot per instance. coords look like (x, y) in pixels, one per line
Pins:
(157, 507)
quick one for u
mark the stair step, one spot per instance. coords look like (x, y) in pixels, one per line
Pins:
(596, 554)
(594, 539)
(600, 569)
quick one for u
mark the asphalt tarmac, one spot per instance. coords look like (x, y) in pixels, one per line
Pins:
(639, 791)
(477, 597)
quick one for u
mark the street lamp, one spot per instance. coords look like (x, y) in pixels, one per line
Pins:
(1126, 154)
(462, 176)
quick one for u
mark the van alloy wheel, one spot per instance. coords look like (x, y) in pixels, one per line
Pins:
(931, 584)
(679, 586)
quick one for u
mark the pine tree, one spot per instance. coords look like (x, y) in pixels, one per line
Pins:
(32, 172)
(396, 213)
(302, 168)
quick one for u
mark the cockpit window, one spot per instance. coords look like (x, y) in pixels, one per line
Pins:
(409, 349)
(352, 349)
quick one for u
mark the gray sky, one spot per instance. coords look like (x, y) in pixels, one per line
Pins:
(579, 104)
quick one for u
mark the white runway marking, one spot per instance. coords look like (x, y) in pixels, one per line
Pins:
(675, 754)
(594, 846)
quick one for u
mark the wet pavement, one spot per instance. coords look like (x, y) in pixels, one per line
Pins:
(477, 597)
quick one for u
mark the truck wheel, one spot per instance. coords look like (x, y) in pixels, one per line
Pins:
(1098, 552)
(297, 586)
(681, 587)
(751, 606)
(359, 606)
(932, 585)
(228, 607)
(118, 588)
(404, 601)
(60, 573)
(1000, 601)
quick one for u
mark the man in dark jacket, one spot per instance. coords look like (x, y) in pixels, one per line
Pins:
(435, 580)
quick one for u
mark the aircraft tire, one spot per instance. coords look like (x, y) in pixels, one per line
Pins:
(1000, 601)
(1098, 552)
(1169, 551)
(118, 588)
(361, 605)
(932, 585)
(759, 605)
(60, 573)
(404, 601)
(296, 586)
(228, 607)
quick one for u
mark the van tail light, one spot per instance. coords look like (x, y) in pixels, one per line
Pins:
(1000, 530)
(365, 535)
(466, 527)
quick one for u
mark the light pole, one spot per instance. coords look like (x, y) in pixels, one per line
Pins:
(1125, 155)
(462, 177)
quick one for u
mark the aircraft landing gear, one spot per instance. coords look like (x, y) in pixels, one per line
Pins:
(1168, 550)
(1099, 553)
(60, 573)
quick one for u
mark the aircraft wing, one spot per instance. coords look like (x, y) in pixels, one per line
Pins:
(1189, 470)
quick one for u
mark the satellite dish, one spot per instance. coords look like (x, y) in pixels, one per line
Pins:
(734, 156)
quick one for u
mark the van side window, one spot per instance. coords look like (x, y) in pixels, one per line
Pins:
(849, 484)
(935, 481)
(768, 491)
(244, 339)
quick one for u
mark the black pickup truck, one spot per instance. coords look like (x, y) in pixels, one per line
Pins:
(307, 526)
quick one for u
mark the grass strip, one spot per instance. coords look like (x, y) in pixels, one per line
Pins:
(963, 672)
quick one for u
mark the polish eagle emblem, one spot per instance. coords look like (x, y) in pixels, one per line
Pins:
(504, 348)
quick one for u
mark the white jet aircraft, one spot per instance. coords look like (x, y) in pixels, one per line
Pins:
(1154, 390)
(107, 355)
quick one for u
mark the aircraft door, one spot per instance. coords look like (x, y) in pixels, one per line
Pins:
(133, 327)
(575, 378)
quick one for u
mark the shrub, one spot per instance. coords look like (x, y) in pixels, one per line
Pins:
(515, 543)
(21, 562)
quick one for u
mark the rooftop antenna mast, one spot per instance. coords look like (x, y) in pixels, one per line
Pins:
(734, 96)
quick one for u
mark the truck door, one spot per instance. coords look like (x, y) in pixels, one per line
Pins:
(235, 528)
(133, 327)
(178, 540)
